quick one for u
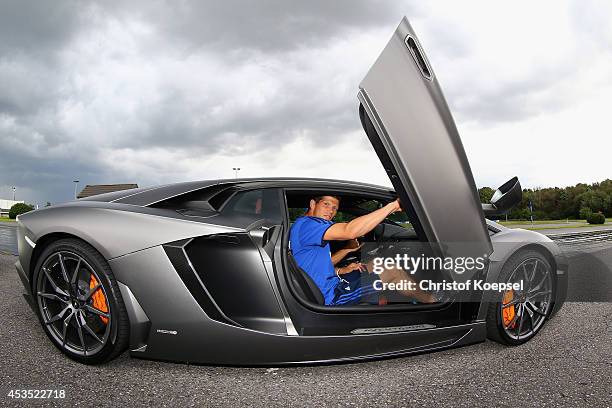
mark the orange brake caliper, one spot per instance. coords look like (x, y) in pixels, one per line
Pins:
(508, 312)
(99, 300)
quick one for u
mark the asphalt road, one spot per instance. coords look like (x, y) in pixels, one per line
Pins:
(8, 237)
(567, 364)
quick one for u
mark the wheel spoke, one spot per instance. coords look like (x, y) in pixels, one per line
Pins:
(533, 274)
(530, 314)
(525, 277)
(91, 333)
(63, 267)
(511, 279)
(534, 295)
(65, 328)
(57, 316)
(91, 292)
(80, 332)
(539, 285)
(520, 328)
(52, 296)
(52, 282)
(534, 309)
(512, 302)
(529, 311)
(97, 312)
(75, 274)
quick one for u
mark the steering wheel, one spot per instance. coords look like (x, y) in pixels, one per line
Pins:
(379, 233)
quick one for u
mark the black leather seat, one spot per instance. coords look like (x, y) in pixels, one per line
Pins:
(303, 283)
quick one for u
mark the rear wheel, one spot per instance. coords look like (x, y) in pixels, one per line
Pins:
(515, 316)
(79, 303)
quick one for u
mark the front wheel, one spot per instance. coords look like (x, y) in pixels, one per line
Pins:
(515, 316)
(79, 303)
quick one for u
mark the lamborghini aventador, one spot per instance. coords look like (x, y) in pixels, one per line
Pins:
(202, 271)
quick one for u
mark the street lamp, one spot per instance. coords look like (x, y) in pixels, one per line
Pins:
(76, 185)
(236, 170)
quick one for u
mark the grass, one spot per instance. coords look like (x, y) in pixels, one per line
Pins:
(562, 227)
(540, 224)
(564, 221)
(5, 219)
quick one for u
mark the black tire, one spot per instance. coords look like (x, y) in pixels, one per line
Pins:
(77, 285)
(524, 320)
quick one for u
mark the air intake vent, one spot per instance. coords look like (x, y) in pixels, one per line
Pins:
(178, 258)
(419, 57)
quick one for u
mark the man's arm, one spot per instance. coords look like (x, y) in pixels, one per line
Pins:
(360, 225)
(340, 254)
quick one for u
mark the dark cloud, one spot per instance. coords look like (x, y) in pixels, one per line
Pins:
(84, 81)
(34, 27)
(264, 25)
(45, 61)
(195, 126)
(510, 101)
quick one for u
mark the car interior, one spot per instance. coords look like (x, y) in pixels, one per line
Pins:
(397, 234)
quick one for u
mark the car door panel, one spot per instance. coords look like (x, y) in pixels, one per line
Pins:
(414, 134)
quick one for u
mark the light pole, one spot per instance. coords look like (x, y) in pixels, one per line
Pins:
(236, 170)
(76, 185)
(14, 188)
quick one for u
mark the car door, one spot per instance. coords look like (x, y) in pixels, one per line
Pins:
(412, 130)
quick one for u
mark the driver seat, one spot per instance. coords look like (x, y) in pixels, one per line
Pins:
(303, 282)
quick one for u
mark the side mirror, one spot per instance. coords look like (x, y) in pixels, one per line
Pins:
(505, 197)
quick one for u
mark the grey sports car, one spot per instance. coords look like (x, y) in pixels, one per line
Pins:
(202, 272)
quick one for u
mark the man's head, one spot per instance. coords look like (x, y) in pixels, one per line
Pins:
(324, 207)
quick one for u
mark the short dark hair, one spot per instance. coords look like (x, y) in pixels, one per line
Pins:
(319, 198)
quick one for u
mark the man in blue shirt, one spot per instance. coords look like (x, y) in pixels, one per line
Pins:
(309, 241)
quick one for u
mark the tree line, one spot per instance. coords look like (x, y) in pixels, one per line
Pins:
(554, 203)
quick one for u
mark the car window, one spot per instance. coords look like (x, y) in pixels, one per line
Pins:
(341, 216)
(399, 218)
(255, 205)
(348, 214)
(295, 213)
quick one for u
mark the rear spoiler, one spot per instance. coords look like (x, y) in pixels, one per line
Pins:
(505, 197)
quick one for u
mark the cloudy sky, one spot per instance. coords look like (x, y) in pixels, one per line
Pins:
(154, 92)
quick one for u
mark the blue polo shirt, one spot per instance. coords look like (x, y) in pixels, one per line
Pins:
(313, 254)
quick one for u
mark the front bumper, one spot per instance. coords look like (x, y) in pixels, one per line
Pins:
(26, 284)
(24, 278)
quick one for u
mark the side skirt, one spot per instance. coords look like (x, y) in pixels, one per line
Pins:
(225, 345)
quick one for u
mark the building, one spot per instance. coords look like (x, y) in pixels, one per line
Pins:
(95, 189)
(5, 206)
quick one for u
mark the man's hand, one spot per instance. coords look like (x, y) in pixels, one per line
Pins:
(394, 206)
(352, 245)
(355, 266)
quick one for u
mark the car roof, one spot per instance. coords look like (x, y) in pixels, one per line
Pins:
(151, 195)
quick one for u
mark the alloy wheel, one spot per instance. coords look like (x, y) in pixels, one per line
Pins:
(524, 311)
(73, 303)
